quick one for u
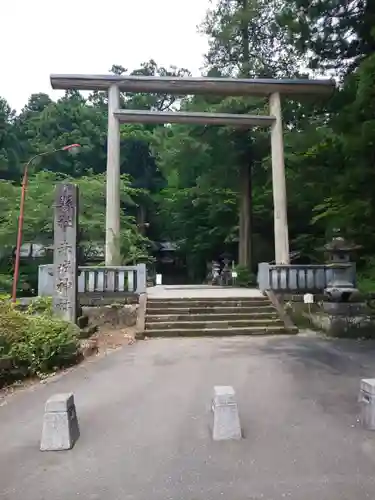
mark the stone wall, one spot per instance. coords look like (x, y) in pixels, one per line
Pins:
(112, 316)
(351, 325)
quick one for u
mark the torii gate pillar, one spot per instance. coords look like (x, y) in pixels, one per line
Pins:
(279, 183)
(112, 226)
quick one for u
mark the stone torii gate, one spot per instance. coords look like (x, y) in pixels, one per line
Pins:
(273, 89)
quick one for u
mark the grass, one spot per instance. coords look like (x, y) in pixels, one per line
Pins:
(366, 284)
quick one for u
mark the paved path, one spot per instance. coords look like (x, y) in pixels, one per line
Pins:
(200, 291)
(145, 424)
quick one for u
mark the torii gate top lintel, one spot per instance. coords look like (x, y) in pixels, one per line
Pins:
(194, 85)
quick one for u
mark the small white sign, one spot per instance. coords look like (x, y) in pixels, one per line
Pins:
(234, 274)
(158, 279)
(308, 298)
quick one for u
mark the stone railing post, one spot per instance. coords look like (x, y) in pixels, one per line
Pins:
(141, 278)
(263, 276)
(45, 280)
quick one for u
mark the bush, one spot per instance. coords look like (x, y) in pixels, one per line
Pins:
(32, 344)
(48, 344)
(366, 276)
(13, 323)
(41, 305)
(6, 281)
(245, 278)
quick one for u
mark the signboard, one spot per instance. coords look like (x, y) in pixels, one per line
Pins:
(308, 298)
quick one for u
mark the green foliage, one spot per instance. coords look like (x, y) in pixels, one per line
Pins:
(34, 344)
(13, 323)
(328, 145)
(46, 345)
(38, 218)
(5, 284)
(337, 35)
(41, 306)
(245, 278)
(43, 126)
(366, 277)
(244, 37)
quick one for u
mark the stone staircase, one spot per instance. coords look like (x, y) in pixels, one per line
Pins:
(193, 317)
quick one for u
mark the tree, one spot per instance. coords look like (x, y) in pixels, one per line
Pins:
(10, 150)
(245, 38)
(69, 120)
(38, 216)
(335, 35)
(351, 203)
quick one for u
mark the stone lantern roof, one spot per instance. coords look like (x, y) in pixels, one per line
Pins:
(340, 244)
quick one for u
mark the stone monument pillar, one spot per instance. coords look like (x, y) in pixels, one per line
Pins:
(65, 252)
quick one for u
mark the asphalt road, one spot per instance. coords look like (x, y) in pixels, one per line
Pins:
(145, 425)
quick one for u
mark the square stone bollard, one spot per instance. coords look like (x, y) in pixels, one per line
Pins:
(226, 418)
(60, 423)
(367, 402)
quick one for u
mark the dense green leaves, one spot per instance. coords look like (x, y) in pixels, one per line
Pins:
(337, 34)
(38, 217)
(246, 38)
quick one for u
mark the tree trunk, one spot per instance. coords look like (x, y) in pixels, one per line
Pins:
(141, 219)
(246, 201)
(245, 40)
(245, 239)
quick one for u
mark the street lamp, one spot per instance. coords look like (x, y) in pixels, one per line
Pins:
(69, 147)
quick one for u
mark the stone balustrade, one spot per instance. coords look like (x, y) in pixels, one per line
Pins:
(96, 279)
(305, 278)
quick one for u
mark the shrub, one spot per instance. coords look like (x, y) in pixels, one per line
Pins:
(13, 323)
(34, 344)
(366, 276)
(41, 305)
(47, 344)
(245, 278)
(6, 281)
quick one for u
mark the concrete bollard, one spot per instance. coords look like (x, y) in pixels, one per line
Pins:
(226, 419)
(367, 402)
(60, 423)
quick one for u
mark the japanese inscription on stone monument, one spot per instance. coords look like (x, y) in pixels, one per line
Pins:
(65, 251)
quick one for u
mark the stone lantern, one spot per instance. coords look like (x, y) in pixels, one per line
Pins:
(345, 313)
(215, 272)
(341, 287)
(226, 273)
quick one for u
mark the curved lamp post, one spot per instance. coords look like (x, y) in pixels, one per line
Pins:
(69, 147)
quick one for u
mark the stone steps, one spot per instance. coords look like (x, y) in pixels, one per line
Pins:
(227, 302)
(157, 310)
(201, 325)
(216, 332)
(155, 318)
(219, 316)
